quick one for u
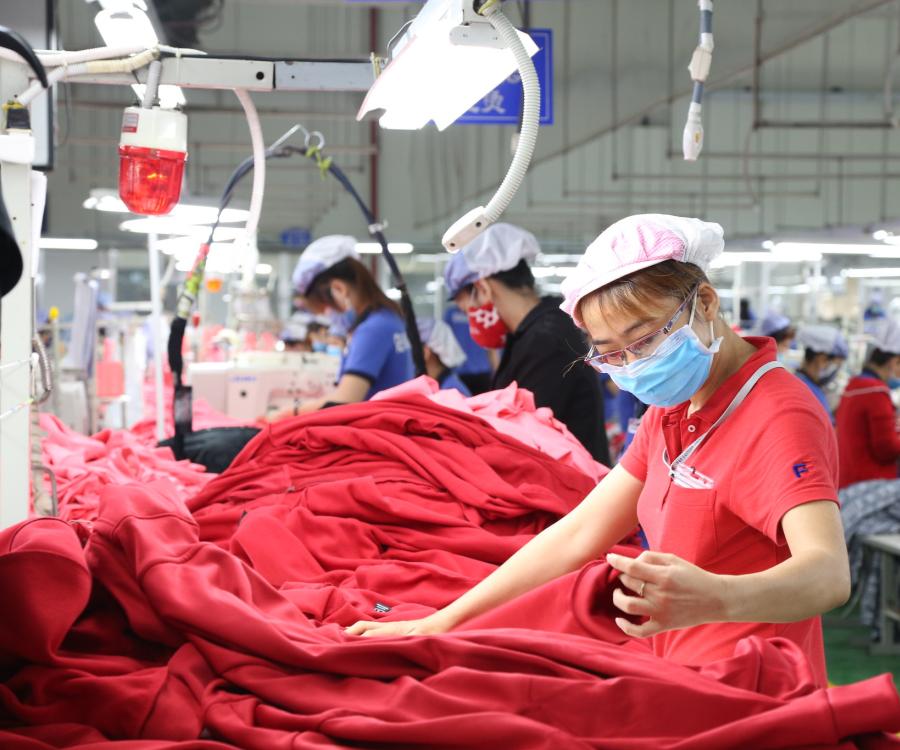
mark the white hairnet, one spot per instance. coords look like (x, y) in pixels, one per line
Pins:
(321, 255)
(635, 243)
(499, 248)
(887, 336)
(438, 337)
(824, 340)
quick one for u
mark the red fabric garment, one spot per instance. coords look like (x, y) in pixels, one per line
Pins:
(161, 637)
(868, 441)
(511, 411)
(85, 465)
(776, 451)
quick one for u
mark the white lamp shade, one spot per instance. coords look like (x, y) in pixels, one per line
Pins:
(432, 79)
(125, 26)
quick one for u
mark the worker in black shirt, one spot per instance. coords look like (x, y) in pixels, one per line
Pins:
(491, 281)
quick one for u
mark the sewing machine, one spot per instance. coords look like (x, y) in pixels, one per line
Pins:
(257, 383)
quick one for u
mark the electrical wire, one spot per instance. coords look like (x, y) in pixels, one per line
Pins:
(192, 283)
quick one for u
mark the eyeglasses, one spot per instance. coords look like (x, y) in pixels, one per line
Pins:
(643, 347)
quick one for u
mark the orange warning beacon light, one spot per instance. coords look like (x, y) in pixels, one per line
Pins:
(152, 153)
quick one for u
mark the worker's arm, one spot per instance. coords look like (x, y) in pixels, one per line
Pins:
(350, 389)
(604, 517)
(677, 594)
(884, 442)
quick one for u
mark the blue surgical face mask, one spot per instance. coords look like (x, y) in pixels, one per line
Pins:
(319, 346)
(828, 373)
(893, 383)
(334, 350)
(342, 321)
(673, 373)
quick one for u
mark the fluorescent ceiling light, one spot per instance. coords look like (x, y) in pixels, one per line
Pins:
(223, 258)
(263, 269)
(825, 248)
(870, 273)
(394, 293)
(61, 243)
(440, 68)
(373, 248)
(191, 245)
(546, 272)
(890, 239)
(193, 233)
(102, 199)
(731, 259)
(124, 23)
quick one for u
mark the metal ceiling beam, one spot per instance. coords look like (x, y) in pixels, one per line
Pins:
(817, 30)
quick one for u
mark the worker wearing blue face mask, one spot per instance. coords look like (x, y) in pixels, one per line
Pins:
(824, 351)
(329, 277)
(443, 354)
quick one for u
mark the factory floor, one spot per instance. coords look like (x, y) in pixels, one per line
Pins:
(847, 654)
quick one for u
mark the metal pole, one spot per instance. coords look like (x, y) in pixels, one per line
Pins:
(156, 333)
(16, 323)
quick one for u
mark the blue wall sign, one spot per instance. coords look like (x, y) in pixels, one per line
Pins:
(296, 237)
(503, 105)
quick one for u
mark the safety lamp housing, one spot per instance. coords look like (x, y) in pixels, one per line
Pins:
(152, 153)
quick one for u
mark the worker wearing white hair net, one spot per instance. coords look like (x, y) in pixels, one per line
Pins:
(824, 350)
(731, 476)
(443, 354)
(491, 281)
(866, 418)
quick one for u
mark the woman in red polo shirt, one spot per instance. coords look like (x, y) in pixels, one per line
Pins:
(868, 441)
(732, 474)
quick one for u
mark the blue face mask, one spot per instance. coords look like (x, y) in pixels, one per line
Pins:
(673, 373)
(893, 383)
(334, 350)
(319, 346)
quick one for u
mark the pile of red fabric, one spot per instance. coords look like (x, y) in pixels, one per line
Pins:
(84, 466)
(219, 622)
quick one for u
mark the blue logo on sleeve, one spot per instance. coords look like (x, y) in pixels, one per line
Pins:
(800, 469)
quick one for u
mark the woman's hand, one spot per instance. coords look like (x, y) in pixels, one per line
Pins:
(425, 626)
(672, 592)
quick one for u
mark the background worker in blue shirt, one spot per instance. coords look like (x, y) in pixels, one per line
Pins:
(443, 354)
(330, 278)
(824, 351)
(476, 372)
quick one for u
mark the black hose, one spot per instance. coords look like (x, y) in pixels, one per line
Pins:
(185, 301)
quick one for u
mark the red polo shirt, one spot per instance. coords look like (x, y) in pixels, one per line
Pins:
(867, 431)
(775, 452)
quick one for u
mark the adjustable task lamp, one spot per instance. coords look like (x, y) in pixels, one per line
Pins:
(453, 53)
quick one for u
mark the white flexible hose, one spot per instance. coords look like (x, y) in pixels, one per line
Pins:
(259, 162)
(531, 113)
(153, 76)
(125, 65)
(53, 77)
(52, 58)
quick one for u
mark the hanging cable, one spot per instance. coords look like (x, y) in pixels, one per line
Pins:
(692, 138)
(313, 149)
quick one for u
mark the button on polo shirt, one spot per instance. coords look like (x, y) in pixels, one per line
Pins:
(774, 452)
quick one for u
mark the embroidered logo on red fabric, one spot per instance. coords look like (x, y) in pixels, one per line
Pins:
(801, 468)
